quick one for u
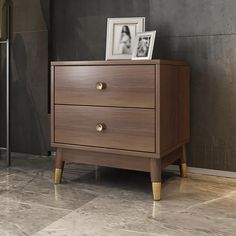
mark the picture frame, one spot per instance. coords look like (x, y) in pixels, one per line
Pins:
(144, 44)
(121, 34)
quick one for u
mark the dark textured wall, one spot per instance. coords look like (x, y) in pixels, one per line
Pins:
(29, 81)
(79, 27)
(201, 32)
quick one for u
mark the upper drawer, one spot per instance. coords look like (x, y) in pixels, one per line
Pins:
(124, 86)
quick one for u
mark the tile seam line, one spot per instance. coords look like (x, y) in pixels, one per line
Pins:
(192, 36)
(21, 229)
(39, 205)
(72, 212)
(137, 232)
(208, 202)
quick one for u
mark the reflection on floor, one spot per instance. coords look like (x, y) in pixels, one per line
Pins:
(119, 203)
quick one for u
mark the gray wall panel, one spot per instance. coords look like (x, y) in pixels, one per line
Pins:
(29, 15)
(213, 96)
(30, 126)
(2, 98)
(29, 80)
(79, 27)
(193, 17)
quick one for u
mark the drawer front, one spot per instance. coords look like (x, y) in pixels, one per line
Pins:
(123, 86)
(124, 128)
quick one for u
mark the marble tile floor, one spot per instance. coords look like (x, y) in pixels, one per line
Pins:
(118, 204)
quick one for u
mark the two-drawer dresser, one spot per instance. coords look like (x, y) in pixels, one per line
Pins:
(121, 114)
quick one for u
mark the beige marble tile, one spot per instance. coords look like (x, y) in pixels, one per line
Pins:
(118, 214)
(119, 204)
(21, 218)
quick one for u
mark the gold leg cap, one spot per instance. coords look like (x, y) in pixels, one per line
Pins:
(58, 175)
(156, 188)
(184, 170)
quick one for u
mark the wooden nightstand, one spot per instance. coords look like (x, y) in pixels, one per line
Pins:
(122, 114)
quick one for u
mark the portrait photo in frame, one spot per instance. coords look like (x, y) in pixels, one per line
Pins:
(143, 46)
(121, 35)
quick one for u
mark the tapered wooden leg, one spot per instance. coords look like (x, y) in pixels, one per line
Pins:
(183, 163)
(156, 178)
(59, 166)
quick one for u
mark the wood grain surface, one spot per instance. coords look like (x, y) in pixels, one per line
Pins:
(125, 128)
(174, 111)
(107, 160)
(142, 112)
(120, 62)
(124, 86)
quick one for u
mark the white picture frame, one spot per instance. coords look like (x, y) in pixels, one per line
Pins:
(144, 44)
(121, 34)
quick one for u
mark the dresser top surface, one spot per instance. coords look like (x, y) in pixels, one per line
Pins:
(119, 62)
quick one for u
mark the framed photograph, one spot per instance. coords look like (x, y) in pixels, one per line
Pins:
(143, 46)
(121, 34)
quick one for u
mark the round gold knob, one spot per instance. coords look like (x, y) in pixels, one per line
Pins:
(100, 86)
(100, 127)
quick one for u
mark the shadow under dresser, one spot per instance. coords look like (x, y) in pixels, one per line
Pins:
(121, 114)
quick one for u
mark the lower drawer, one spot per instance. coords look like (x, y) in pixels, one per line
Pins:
(118, 128)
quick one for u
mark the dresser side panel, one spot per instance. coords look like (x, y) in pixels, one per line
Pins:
(52, 104)
(157, 105)
(174, 106)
